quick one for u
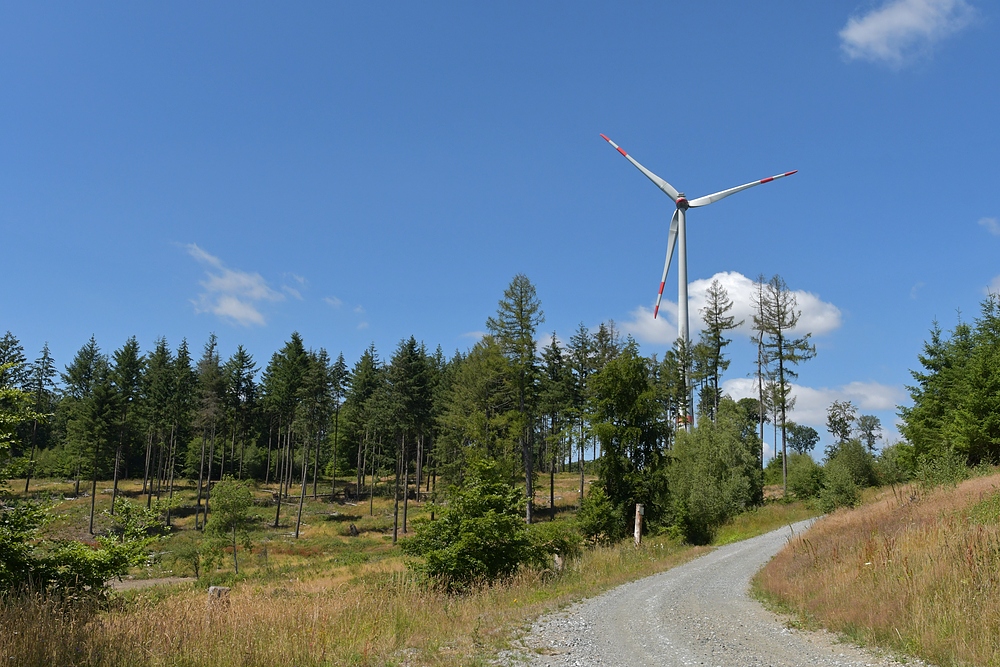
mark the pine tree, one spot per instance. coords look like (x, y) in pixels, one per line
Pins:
(518, 315)
(126, 376)
(556, 403)
(42, 387)
(779, 317)
(713, 341)
(208, 413)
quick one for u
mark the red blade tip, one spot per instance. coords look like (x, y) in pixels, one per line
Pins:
(604, 137)
(789, 173)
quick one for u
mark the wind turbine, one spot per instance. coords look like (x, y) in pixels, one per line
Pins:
(677, 235)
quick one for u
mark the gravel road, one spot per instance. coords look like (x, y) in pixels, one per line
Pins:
(695, 614)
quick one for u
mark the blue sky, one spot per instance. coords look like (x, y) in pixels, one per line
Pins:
(361, 172)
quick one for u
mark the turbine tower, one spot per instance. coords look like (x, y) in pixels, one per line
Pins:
(678, 236)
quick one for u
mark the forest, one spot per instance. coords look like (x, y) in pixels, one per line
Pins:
(415, 424)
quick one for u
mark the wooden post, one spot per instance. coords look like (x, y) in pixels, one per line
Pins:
(639, 511)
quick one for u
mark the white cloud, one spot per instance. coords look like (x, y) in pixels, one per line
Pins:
(333, 301)
(291, 291)
(992, 225)
(811, 403)
(901, 30)
(231, 294)
(474, 335)
(362, 325)
(818, 317)
(915, 290)
(359, 310)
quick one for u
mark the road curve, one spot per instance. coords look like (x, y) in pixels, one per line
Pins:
(695, 614)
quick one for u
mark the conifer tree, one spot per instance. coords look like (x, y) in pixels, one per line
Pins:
(779, 315)
(518, 315)
(41, 385)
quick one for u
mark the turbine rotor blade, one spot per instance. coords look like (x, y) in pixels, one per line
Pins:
(670, 190)
(671, 242)
(711, 199)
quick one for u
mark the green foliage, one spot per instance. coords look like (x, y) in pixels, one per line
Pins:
(895, 464)
(632, 434)
(134, 522)
(231, 522)
(715, 474)
(839, 489)
(945, 469)
(801, 439)
(805, 476)
(28, 562)
(480, 536)
(774, 471)
(599, 519)
(854, 457)
(956, 396)
(551, 538)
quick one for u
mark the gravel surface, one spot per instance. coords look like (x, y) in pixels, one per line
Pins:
(695, 614)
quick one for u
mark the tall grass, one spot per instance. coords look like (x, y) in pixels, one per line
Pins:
(385, 616)
(330, 599)
(915, 570)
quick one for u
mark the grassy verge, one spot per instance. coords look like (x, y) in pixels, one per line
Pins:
(329, 599)
(912, 571)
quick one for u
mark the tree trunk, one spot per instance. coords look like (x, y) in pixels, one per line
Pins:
(406, 483)
(420, 469)
(316, 465)
(201, 474)
(236, 562)
(173, 464)
(302, 493)
(267, 466)
(395, 508)
(31, 459)
(333, 484)
(93, 491)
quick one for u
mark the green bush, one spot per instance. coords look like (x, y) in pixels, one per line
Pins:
(854, 457)
(552, 538)
(805, 476)
(715, 475)
(773, 473)
(895, 464)
(839, 489)
(599, 520)
(480, 536)
(948, 468)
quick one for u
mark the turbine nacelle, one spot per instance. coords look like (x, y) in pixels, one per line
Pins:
(682, 202)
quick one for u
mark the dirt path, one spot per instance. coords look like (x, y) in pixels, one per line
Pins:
(695, 614)
(131, 584)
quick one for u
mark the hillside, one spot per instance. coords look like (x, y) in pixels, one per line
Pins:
(914, 570)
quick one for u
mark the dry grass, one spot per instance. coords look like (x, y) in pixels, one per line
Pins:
(913, 571)
(329, 599)
(384, 616)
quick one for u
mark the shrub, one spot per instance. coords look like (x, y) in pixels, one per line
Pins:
(715, 475)
(948, 468)
(772, 472)
(895, 464)
(852, 456)
(599, 520)
(551, 538)
(805, 476)
(839, 489)
(479, 536)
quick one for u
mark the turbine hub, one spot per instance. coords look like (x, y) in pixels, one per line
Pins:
(682, 202)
